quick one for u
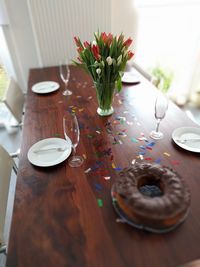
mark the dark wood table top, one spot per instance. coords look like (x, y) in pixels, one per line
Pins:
(64, 216)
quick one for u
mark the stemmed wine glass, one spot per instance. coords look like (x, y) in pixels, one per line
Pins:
(71, 130)
(65, 75)
(161, 106)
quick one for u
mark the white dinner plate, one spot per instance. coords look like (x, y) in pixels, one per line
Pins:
(45, 87)
(48, 155)
(130, 77)
(187, 133)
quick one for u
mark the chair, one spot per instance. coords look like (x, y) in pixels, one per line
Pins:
(7, 164)
(14, 100)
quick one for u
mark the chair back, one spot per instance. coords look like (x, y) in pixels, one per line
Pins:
(6, 166)
(14, 100)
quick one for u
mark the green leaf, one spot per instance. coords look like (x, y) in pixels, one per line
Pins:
(119, 84)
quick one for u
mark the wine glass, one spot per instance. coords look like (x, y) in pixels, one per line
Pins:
(65, 75)
(71, 130)
(161, 106)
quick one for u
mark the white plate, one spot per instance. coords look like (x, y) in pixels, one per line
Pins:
(130, 77)
(49, 157)
(45, 87)
(187, 133)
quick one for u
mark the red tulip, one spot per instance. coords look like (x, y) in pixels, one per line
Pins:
(77, 41)
(80, 59)
(80, 49)
(110, 38)
(104, 37)
(130, 55)
(86, 44)
(107, 39)
(128, 42)
(95, 50)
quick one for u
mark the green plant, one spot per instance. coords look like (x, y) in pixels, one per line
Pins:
(164, 78)
(105, 58)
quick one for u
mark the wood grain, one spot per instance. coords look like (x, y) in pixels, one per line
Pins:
(57, 220)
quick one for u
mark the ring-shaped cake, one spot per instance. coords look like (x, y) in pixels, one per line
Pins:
(151, 196)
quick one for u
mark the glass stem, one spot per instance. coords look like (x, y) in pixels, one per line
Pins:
(74, 151)
(157, 125)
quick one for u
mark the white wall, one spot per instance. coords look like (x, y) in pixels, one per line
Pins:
(124, 18)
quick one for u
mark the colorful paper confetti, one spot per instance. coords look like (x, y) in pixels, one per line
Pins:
(134, 140)
(158, 160)
(100, 202)
(133, 161)
(107, 177)
(88, 170)
(98, 187)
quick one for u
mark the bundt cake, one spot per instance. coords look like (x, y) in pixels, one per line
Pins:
(151, 196)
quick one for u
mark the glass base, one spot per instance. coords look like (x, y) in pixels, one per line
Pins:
(156, 135)
(75, 161)
(105, 112)
(67, 92)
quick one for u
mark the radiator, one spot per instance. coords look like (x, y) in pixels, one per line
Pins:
(56, 22)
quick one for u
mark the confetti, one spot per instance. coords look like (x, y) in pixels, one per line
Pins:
(142, 139)
(142, 147)
(113, 165)
(84, 156)
(148, 147)
(98, 132)
(89, 97)
(148, 159)
(129, 122)
(166, 154)
(117, 169)
(100, 202)
(107, 177)
(151, 144)
(88, 170)
(158, 160)
(133, 161)
(81, 109)
(134, 140)
(141, 157)
(122, 134)
(98, 186)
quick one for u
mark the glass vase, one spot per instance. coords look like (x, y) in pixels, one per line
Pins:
(105, 93)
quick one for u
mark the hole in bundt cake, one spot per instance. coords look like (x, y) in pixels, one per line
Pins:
(151, 186)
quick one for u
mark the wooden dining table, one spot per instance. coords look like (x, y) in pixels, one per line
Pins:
(64, 216)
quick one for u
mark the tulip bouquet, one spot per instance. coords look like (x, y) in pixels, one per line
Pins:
(104, 59)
